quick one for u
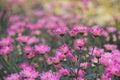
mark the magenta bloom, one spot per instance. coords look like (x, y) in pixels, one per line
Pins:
(6, 41)
(81, 73)
(61, 31)
(111, 29)
(28, 52)
(96, 31)
(50, 75)
(114, 69)
(78, 29)
(42, 48)
(17, 27)
(6, 50)
(64, 49)
(33, 40)
(50, 60)
(13, 76)
(110, 47)
(106, 59)
(23, 39)
(51, 25)
(24, 65)
(79, 43)
(84, 65)
(64, 72)
(60, 55)
(14, 18)
(29, 73)
(94, 60)
(96, 52)
(106, 76)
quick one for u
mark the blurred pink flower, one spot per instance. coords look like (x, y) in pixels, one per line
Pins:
(64, 72)
(96, 31)
(28, 52)
(79, 43)
(111, 29)
(114, 69)
(29, 72)
(106, 59)
(96, 52)
(13, 76)
(6, 41)
(50, 75)
(6, 50)
(110, 47)
(42, 48)
(84, 65)
(61, 31)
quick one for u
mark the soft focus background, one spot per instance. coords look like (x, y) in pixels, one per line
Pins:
(100, 12)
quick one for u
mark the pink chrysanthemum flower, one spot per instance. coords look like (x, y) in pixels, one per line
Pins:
(13, 76)
(81, 73)
(50, 60)
(28, 52)
(111, 29)
(50, 76)
(79, 43)
(29, 73)
(42, 48)
(6, 50)
(106, 76)
(64, 49)
(61, 31)
(96, 52)
(84, 65)
(60, 55)
(64, 72)
(96, 31)
(24, 65)
(23, 39)
(114, 69)
(110, 47)
(17, 27)
(33, 40)
(6, 41)
(78, 29)
(106, 59)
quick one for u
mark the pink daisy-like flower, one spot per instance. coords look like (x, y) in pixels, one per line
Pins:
(96, 31)
(106, 59)
(6, 41)
(84, 65)
(28, 52)
(50, 75)
(29, 72)
(64, 48)
(79, 43)
(13, 76)
(6, 50)
(61, 31)
(114, 69)
(110, 47)
(42, 48)
(23, 39)
(64, 72)
(111, 29)
(96, 52)
(78, 29)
